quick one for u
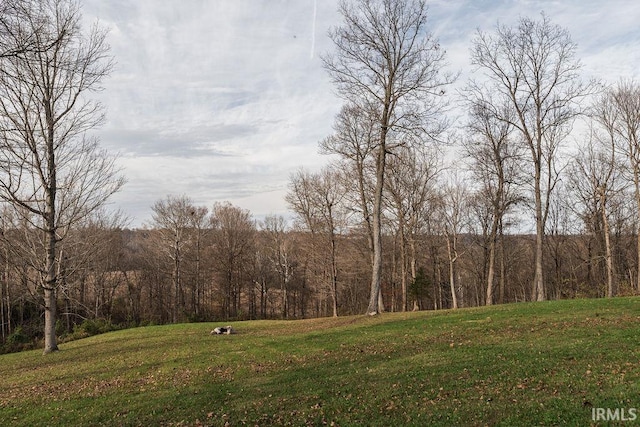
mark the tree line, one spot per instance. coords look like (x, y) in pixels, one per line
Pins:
(418, 210)
(195, 264)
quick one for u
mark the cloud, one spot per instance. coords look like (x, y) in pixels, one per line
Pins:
(217, 100)
(223, 100)
(193, 142)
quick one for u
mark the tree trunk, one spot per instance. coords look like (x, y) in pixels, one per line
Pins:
(607, 244)
(176, 282)
(263, 298)
(403, 262)
(50, 343)
(50, 297)
(334, 274)
(538, 280)
(285, 308)
(452, 281)
(50, 281)
(375, 301)
(503, 266)
(638, 260)
(4, 294)
(636, 178)
(197, 294)
(414, 273)
(491, 270)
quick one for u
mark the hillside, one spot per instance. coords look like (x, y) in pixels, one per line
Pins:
(551, 363)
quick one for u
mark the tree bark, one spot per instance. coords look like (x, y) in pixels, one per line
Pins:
(451, 250)
(403, 260)
(374, 300)
(50, 294)
(503, 265)
(334, 274)
(538, 277)
(491, 269)
(607, 243)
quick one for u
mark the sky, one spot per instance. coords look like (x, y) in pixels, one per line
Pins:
(222, 100)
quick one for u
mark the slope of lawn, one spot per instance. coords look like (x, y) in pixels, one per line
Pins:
(551, 363)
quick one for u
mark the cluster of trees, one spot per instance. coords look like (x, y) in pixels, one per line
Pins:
(397, 222)
(195, 264)
(518, 115)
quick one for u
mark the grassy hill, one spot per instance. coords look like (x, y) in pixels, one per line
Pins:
(551, 363)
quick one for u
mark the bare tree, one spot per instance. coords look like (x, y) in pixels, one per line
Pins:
(317, 199)
(172, 218)
(354, 139)
(618, 113)
(453, 205)
(49, 169)
(87, 257)
(495, 164)
(410, 187)
(199, 225)
(281, 255)
(302, 199)
(387, 64)
(21, 30)
(532, 68)
(595, 180)
(233, 232)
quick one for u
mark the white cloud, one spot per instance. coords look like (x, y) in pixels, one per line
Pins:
(222, 100)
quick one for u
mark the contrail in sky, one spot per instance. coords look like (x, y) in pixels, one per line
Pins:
(313, 28)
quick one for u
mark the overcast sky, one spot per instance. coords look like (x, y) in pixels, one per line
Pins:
(221, 100)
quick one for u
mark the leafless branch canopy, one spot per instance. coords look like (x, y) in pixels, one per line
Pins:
(48, 165)
(387, 62)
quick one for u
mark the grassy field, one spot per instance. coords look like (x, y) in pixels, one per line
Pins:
(551, 363)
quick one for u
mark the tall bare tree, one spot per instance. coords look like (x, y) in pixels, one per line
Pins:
(453, 205)
(354, 140)
(596, 182)
(199, 225)
(495, 164)
(618, 113)
(386, 63)
(233, 232)
(317, 199)
(173, 219)
(49, 169)
(532, 68)
(281, 255)
(411, 191)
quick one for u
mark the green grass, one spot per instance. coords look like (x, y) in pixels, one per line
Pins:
(520, 364)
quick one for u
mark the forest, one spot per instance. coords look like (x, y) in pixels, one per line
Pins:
(532, 194)
(223, 265)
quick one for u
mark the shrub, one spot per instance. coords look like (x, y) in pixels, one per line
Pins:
(18, 337)
(93, 327)
(18, 340)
